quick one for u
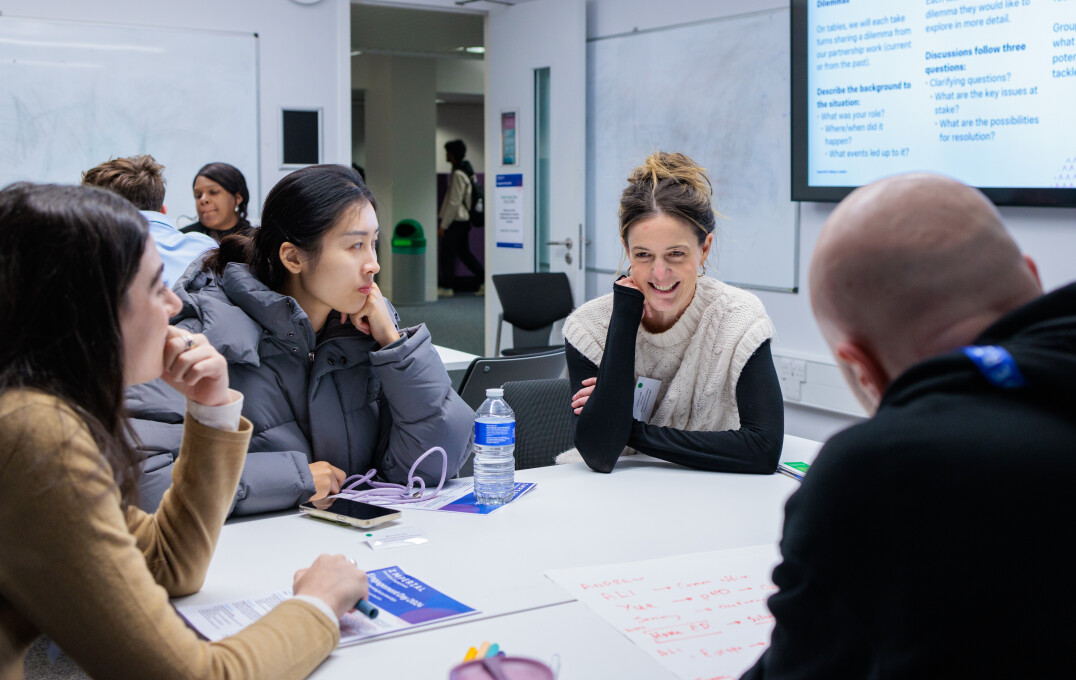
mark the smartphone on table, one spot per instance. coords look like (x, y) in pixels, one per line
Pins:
(355, 513)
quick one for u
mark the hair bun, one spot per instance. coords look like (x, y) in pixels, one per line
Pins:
(670, 184)
(677, 167)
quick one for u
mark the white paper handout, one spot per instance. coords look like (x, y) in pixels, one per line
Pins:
(702, 615)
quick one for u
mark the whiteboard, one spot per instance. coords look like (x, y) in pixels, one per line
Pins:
(717, 91)
(74, 94)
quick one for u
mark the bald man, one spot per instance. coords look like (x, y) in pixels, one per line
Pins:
(927, 542)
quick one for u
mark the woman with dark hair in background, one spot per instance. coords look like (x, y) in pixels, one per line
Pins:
(221, 198)
(699, 347)
(333, 386)
(85, 312)
(454, 222)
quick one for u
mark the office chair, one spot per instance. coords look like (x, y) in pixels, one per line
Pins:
(531, 302)
(486, 372)
(543, 420)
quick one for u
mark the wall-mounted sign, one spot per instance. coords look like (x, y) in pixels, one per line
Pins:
(508, 211)
(509, 120)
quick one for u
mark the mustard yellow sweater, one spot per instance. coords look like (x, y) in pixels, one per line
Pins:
(96, 579)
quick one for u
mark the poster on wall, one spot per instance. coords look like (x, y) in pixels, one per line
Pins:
(508, 137)
(508, 211)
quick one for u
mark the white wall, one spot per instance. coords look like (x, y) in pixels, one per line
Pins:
(1047, 234)
(461, 76)
(401, 116)
(453, 74)
(519, 39)
(454, 120)
(295, 41)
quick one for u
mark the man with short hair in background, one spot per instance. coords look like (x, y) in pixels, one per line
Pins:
(928, 541)
(139, 179)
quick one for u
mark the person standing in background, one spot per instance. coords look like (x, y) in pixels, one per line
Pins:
(139, 179)
(221, 198)
(454, 223)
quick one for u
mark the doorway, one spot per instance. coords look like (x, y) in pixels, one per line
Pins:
(418, 81)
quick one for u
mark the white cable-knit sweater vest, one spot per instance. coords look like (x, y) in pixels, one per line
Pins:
(698, 360)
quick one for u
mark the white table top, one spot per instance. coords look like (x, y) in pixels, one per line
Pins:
(588, 648)
(495, 563)
(453, 359)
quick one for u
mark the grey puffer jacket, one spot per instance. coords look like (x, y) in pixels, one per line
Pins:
(337, 397)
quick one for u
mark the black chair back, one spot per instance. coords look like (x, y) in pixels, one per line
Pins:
(532, 302)
(543, 420)
(486, 372)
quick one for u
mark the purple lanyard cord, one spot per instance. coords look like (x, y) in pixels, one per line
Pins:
(387, 493)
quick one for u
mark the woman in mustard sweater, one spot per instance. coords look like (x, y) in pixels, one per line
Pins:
(84, 312)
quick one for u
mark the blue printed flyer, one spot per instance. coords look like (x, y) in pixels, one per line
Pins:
(468, 502)
(457, 495)
(403, 601)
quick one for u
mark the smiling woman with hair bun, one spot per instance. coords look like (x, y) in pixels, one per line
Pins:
(700, 348)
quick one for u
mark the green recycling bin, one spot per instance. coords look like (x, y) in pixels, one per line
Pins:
(408, 263)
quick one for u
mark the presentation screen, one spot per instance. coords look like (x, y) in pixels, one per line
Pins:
(981, 90)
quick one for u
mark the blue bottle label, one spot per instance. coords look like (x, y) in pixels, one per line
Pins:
(495, 434)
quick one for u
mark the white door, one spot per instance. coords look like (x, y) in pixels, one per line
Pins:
(535, 145)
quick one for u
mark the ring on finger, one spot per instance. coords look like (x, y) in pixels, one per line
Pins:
(188, 341)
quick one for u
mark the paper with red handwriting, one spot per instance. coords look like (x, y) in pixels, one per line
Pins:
(703, 616)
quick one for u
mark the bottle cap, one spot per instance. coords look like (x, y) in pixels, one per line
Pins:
(494, 392)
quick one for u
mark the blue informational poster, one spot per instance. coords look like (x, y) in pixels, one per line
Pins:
(508, 211)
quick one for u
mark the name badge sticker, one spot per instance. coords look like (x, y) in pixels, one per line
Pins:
(996, 365)
(646, 393)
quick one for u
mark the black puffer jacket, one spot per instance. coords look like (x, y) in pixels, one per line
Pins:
(928, 541)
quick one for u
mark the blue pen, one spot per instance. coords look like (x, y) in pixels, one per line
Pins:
(493, 649)
(365, 607)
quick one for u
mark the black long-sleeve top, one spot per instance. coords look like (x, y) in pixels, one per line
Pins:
(606, 424)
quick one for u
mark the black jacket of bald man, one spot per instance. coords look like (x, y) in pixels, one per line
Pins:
(929, 541)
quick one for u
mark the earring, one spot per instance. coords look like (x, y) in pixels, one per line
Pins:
(702, 270)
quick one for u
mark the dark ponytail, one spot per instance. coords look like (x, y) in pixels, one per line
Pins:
(300, 210)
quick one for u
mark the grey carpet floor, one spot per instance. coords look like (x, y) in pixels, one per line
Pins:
(39, 667)
(455, 322)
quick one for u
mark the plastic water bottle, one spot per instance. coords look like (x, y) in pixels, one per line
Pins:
(494, 449)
